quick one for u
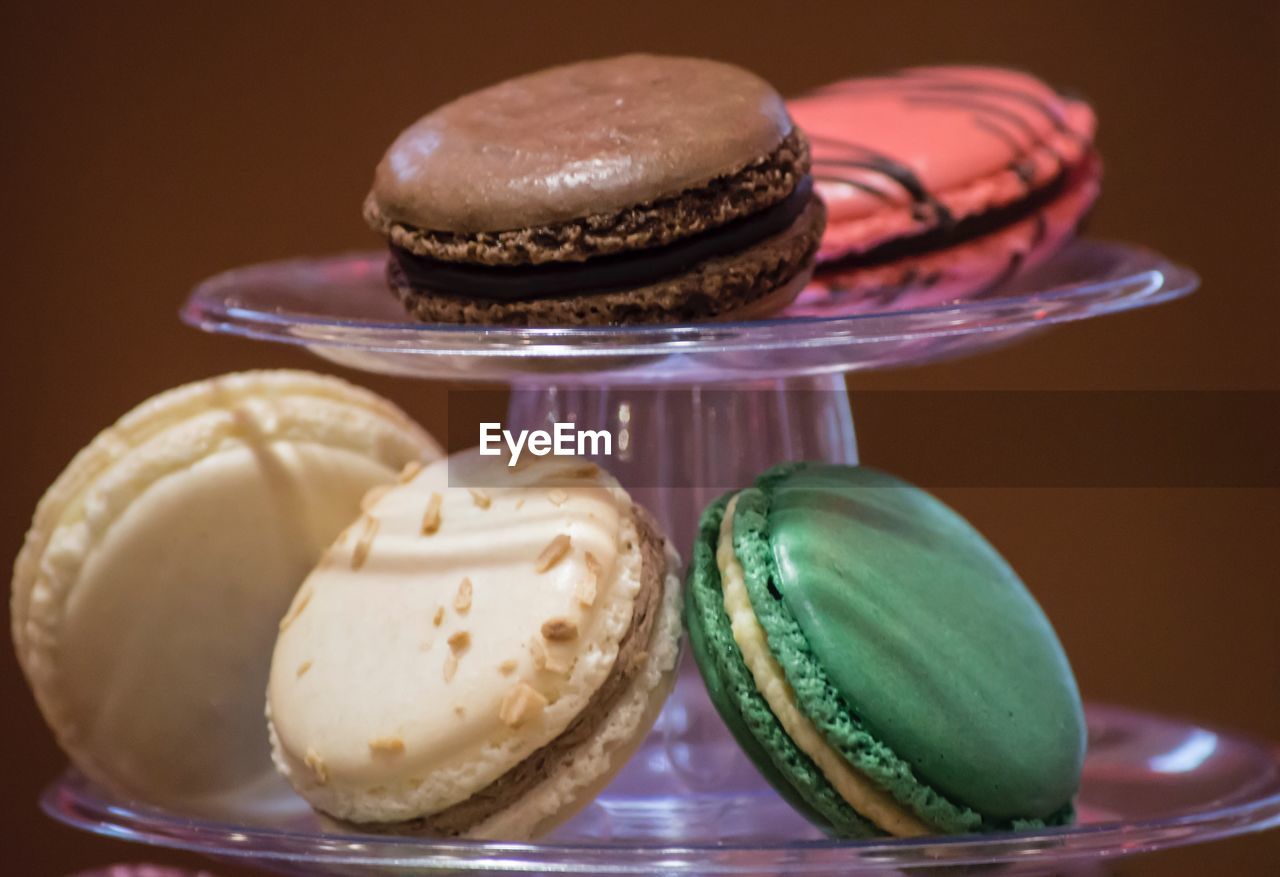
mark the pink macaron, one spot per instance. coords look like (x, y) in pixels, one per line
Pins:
(941, 182)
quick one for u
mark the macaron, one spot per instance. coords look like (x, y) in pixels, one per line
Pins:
(635, 189)
(146, 596)
(879, 661)
(921, 161)
(476, 660)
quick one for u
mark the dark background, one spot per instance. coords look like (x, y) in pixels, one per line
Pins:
(148, 145)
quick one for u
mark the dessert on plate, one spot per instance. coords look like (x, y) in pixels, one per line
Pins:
(942, 182)
(479, 653)
(146, 596)
(879, 661)
(636, 189)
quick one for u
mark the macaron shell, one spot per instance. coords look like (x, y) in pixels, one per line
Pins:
(576, 140)
(817, 697)
(732, 691)
(583, 772)
(387, 685)
(145, 595)
(249, 534)
(924, 630)
(719, 693)
(894, 155)
(867, 798)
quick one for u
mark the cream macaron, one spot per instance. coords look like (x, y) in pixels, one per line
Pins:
(147, 595)
(477, 660)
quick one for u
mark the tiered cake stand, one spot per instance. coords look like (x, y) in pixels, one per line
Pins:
(705, 408)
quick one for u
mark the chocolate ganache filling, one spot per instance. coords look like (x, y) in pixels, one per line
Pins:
(603, 274)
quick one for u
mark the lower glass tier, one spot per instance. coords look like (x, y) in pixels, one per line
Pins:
(689, 803)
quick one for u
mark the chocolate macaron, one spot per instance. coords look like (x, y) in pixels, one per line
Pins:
(637, 189)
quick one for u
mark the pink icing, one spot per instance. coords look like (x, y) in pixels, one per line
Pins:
(966, 139)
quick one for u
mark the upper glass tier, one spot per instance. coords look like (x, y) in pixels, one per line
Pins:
(339, 308)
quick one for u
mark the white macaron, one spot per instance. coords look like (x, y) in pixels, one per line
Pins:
(147, 595)
(479, 653)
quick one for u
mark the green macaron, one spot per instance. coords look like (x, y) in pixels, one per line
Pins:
(879, 661)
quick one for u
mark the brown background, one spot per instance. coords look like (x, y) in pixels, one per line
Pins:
(146, 146)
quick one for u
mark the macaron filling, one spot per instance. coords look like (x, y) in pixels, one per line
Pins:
(868, 800)
(602, 274)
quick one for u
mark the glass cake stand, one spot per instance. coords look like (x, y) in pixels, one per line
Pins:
(705, 408)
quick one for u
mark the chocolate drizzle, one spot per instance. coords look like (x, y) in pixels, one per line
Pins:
(855, 155)
(604, 274)
(968, 228)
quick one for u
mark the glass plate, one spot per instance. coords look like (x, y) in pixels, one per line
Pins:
(339, 307)
(688, 803)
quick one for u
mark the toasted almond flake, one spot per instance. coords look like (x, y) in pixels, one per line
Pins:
(507, 667)
(548, 659)
(519, 503)
(459, 641)
(303, 668)
(588, 586)
(520, 704)
(316, 765)
(462, 599)
(439, 616)
(551, 555)
(368, 530)
(410, 471)
(450, 666)
(538, 651)
(292, 615)
(559, 630)
(386, 745)
(557, 662)
(371, 498)
(558, 497)
(479, 497)
(431, 517)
